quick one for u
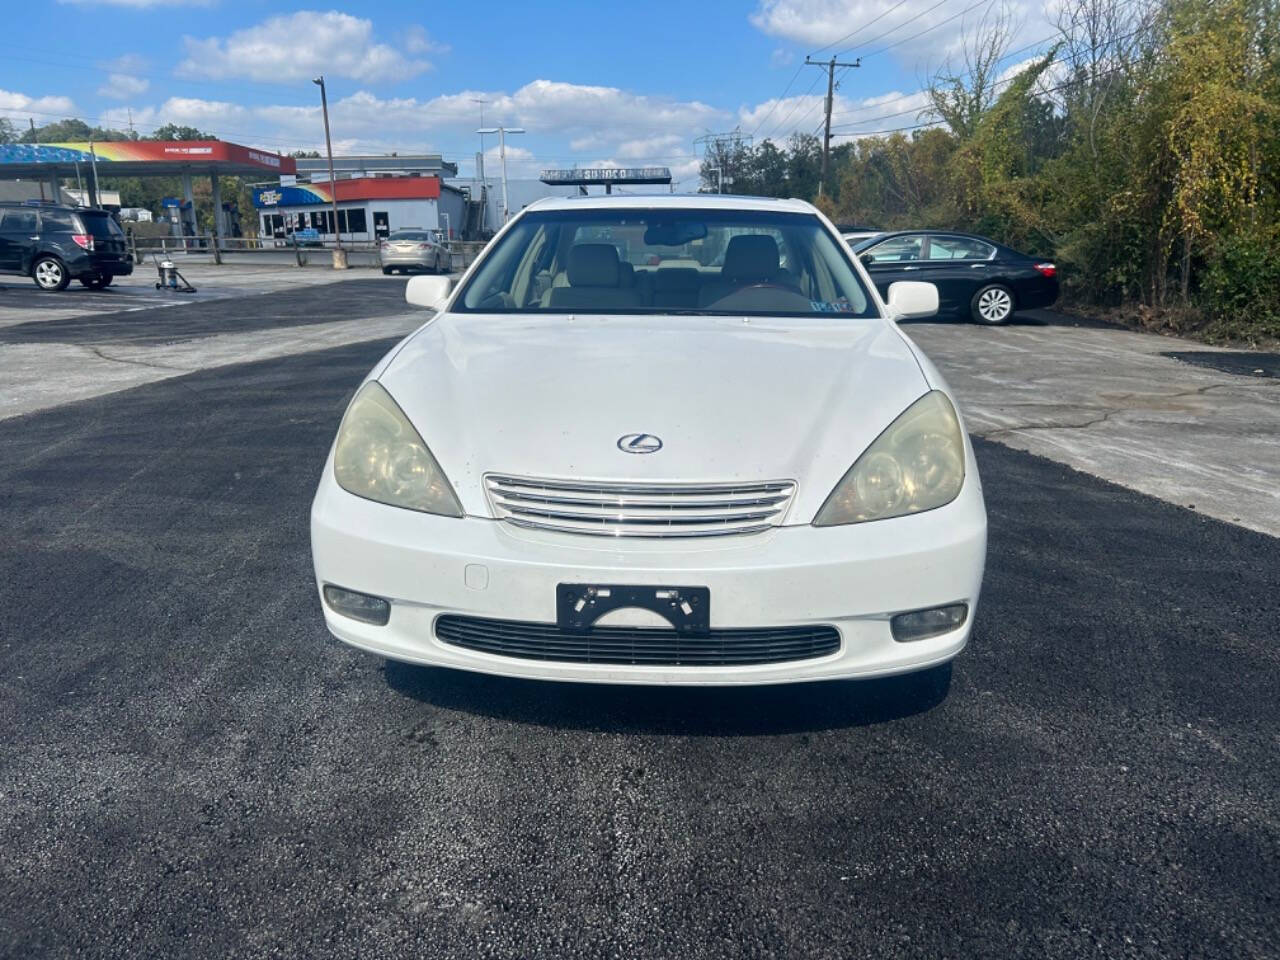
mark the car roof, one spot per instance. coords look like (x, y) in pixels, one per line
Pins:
(37, 205)
(59, 207)
(936, 233)
(673, 201)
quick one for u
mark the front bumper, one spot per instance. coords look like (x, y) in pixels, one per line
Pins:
(853, 578)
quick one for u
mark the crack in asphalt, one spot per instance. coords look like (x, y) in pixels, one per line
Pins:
(97, 352)
(1023, 428)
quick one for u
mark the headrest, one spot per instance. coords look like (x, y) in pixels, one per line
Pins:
(593, 265)
(750, 258)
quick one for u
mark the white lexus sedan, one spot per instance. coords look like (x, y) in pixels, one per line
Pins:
(663, 440)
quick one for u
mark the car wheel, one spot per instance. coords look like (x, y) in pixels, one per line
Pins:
(386, 271)
(97, 281)
(992, 305)
(50, 274)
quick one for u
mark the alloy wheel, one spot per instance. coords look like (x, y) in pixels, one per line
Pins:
(995, 305)
(49, 274)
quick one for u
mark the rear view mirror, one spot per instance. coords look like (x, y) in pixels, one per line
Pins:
(674, 234)
(867, 259)
(911, 299)
(431, 292)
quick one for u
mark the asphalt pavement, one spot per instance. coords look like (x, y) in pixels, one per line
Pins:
(192, 767)
(179, 320)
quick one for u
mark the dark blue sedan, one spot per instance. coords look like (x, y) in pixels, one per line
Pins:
(976, 278)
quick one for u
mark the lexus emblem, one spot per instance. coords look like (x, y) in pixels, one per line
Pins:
(639, 443)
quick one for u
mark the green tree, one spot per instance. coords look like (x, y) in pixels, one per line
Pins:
(174, 131)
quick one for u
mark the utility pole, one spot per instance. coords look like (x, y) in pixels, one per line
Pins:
(502, 132)
(33, 140)
(830, 66)
(93, 161)
(339, 255)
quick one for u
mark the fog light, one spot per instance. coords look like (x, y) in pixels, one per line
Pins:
(922, 624)
(358, 606)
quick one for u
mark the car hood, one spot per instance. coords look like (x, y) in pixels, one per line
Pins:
(733, 400)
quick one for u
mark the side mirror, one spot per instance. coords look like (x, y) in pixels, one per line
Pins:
(911, 299)
(431, 292)
(867, 259)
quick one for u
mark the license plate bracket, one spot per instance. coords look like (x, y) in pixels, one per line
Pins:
(580, 605)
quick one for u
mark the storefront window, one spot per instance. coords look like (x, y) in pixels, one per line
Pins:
(353, 221)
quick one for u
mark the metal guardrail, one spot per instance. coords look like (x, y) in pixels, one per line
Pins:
(462, 252)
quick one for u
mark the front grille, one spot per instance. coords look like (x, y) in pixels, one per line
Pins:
(640, 509)
(640, 646)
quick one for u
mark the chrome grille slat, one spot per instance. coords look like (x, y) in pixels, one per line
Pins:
(691, 503)
(639, 509)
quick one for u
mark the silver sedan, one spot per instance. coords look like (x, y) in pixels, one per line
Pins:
(414, 250)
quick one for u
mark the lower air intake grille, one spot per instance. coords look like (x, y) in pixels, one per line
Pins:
(638, 645)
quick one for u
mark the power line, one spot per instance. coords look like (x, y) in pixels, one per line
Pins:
(858, 30)
(885, 103)
(995, 86)
(940, 23)
(933, 123)
(828, 46)
(795, 106)
(881, 36)
(774, 106)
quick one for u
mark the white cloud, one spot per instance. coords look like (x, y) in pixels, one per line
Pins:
(860, 27)
(586, 118)
(647, 148)
(124, 80)
(782, 57)
(122, 86)
(778, 119)
(295, 47)
(19, 106)
(417, 40)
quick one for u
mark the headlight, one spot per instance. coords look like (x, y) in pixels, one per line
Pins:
(380, 456)
(917, 464)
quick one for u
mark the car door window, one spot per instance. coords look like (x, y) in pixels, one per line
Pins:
(959, 248)
(19, 222)
(897, 249)
(56, 221)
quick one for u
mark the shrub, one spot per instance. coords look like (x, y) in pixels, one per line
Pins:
(1240, 290)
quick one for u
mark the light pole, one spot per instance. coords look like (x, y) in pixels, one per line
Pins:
(719, 178)
(484, 184)
(339, 255)
(502, 132)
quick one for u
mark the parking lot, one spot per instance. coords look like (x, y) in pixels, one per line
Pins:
(193, 767)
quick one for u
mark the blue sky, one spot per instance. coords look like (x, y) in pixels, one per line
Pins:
(591, 82)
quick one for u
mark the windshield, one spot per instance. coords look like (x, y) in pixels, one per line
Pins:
(101, 226)
(735, 262)
(411, 235)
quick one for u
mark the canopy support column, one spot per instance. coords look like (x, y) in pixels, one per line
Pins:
(188, 210)
(218, 218)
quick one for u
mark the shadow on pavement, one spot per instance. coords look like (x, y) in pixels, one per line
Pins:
(1031, 318)
(679, 711)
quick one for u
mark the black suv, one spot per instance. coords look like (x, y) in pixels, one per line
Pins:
(55, 244)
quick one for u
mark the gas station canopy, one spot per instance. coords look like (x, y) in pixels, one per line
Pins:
(139, 158)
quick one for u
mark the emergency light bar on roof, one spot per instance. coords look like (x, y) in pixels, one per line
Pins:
(606, 176)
